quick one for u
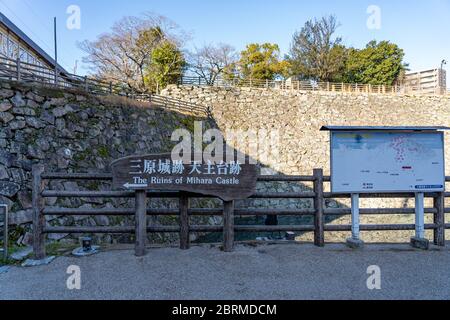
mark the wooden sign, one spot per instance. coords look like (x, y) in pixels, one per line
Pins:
(228, 181)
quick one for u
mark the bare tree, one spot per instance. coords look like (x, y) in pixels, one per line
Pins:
(124, 54)
(212, 61)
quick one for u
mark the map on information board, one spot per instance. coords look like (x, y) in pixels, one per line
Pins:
(369, 162)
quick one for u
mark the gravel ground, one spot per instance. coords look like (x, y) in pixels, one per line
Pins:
(286, 272)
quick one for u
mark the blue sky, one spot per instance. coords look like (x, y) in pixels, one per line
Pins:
(420, 27)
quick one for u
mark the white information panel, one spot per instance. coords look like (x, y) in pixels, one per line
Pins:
(370, 162)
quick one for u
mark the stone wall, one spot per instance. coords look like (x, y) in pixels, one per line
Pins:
(298, 117)
(70, 131)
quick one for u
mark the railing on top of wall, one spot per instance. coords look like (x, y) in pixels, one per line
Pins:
(26, 72)
(22, 71)
(140, 211)
(311, 86)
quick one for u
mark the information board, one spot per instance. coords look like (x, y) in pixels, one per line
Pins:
(226, 180)
(377, 162)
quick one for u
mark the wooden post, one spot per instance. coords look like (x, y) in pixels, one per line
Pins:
(19, 72)
(110, 87)
(86, 86)
(141, 222)
(56, 76)
(184, 222)
(439, 220)
(38, 217)
(4, 207)
(319, 236)
(228, 226)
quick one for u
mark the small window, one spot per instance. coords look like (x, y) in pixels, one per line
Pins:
(13, 49)
(4, 45)
(23, 55)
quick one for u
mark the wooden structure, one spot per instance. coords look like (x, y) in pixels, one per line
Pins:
(16, 70)
(227, 181)
(141, 211)
(4, 219)
(17, 46)
(294, 85)
(432, 81)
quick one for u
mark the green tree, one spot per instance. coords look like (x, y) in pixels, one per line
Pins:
(316, 53)
(262, 62)
(166, 67)
(379, 63)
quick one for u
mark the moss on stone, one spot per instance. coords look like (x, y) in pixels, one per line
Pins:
(186, 122)
(103, 152)
(50, 92)
(72, 117)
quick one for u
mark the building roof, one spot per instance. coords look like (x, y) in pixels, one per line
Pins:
(403, 129)
(19, 33)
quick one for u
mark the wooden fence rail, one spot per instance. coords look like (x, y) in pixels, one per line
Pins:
(26, 72)
(318, 211)
(311, 85)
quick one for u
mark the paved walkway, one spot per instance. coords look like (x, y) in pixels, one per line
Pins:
(263, 272)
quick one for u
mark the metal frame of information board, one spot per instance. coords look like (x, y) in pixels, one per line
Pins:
(419, 196)
(380, 191)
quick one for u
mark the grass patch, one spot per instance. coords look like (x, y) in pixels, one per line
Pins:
(59, 249)
(103, 151)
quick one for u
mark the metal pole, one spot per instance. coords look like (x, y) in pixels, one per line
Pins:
(354, 242)
(419, 240)
(56, 51)
(355, 216)
(420, 216)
